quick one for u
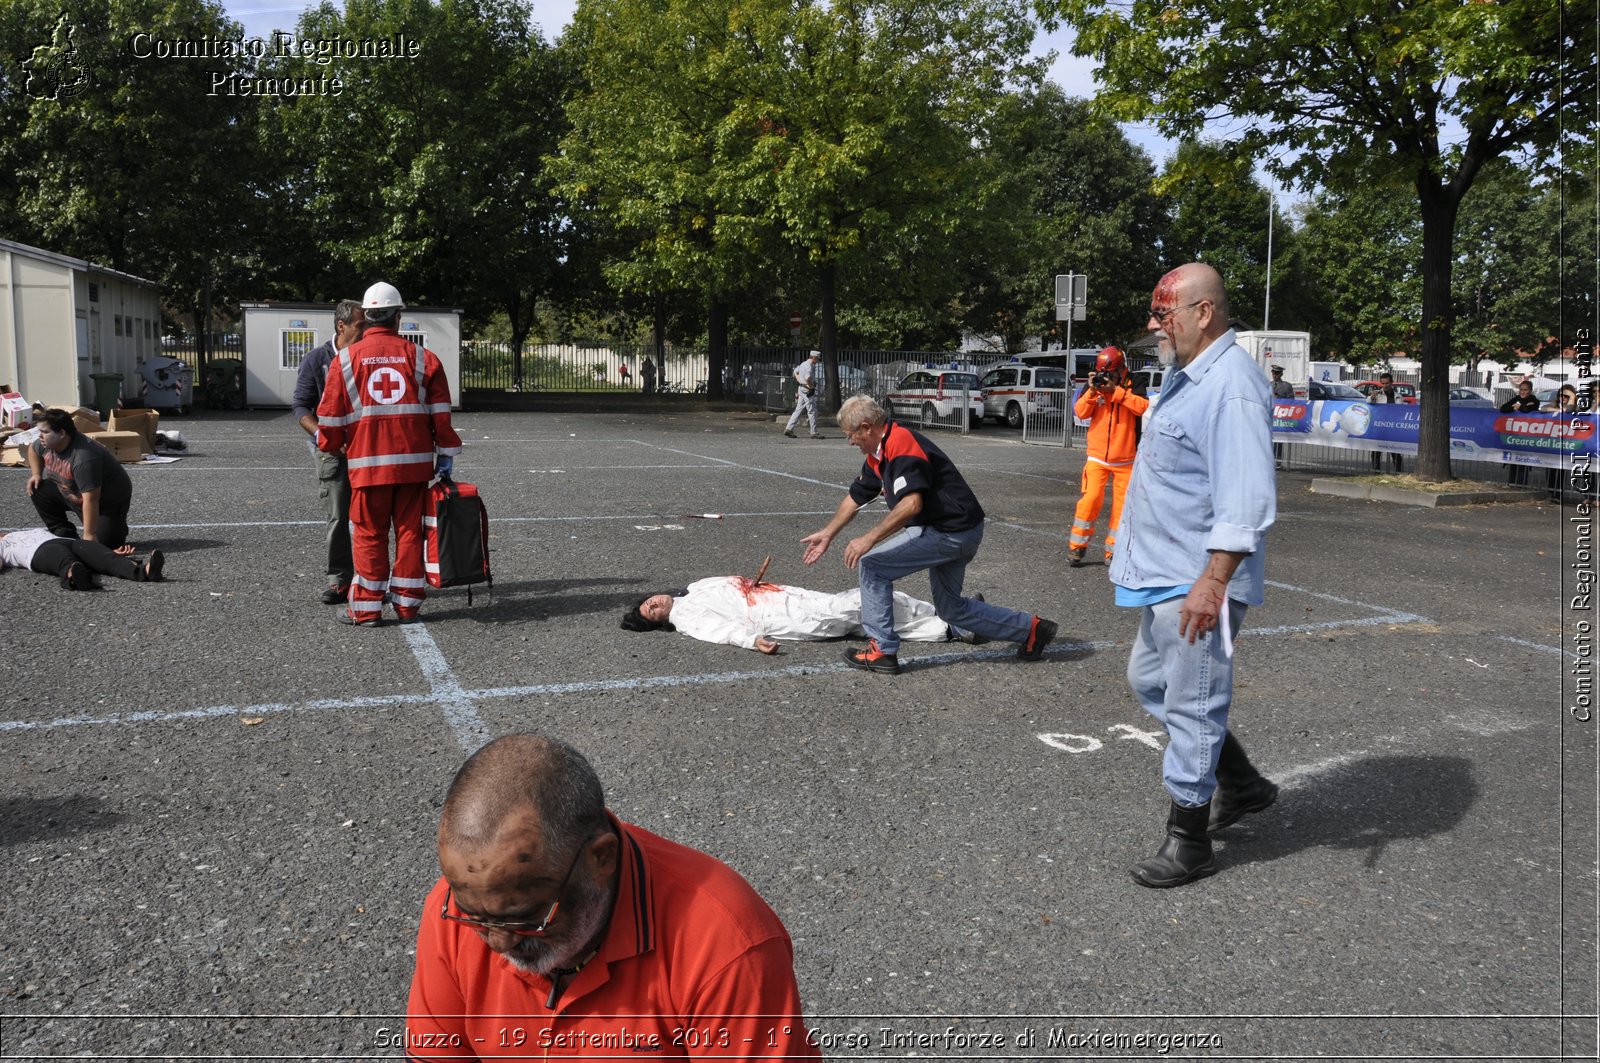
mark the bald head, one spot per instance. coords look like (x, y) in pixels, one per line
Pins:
(517, 775)
(1193, 307)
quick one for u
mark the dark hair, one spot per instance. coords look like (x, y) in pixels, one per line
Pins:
(635, 620)
(60, 421)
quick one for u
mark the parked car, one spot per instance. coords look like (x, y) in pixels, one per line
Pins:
(1009, 393)
(1404, 390)
(935, 395)
(1473, 398)
(1319, 390)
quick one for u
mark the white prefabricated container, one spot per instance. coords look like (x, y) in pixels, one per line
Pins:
(1292, 350)
(278, 335)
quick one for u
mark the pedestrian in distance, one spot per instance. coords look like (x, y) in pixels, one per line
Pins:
(1191, 555)
(1385, 395)
(386, 408)
(333, 479)
(807, 375)
(934, 524)
(1524, 401)
(589, 930)
(1281, 389)
(1113, 412)
(647, 375)
(69, 475)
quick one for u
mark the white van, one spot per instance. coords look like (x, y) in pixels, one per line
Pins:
(1015, 391)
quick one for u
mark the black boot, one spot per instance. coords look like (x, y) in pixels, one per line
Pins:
(1184, 856)
(1241, 789)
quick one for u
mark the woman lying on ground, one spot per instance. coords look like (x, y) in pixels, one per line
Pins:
(74, 561)
(737, 611)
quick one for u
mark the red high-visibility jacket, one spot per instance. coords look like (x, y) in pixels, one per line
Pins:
(1112, 438)
(386, 404)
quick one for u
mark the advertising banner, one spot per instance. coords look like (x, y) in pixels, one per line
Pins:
(1550, 440)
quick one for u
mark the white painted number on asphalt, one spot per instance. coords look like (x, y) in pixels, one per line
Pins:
(1071, 743)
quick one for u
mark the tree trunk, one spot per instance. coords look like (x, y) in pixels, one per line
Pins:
(717, 340)
(519, 333)
(829, 279)
(658, 334)
(1439, 204)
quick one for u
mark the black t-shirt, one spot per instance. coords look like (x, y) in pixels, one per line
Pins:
(86, 466)
(909, 462)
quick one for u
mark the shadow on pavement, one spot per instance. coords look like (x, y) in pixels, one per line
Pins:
(24, 819)
(1365, 804)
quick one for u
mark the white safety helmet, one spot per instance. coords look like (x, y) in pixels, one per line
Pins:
(382, 296)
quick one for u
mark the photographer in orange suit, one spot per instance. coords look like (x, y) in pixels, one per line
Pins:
(1113, 412)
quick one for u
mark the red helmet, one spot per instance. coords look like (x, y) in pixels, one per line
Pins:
(1111, 361)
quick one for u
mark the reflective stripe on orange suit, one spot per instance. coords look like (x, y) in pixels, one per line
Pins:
(1113, 438)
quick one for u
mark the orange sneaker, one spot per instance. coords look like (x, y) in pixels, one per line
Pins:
(1040, 635)
(872, 659)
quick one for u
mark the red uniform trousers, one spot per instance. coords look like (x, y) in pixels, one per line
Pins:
(1095, 475)
(373, 511)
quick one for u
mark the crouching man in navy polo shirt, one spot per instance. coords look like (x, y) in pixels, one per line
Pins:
(934, 523)
(559, 931)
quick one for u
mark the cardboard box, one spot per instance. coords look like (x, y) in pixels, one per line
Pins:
(15, 411)
(141, 421)
(127, 446)
(13, 456)
(86, 419)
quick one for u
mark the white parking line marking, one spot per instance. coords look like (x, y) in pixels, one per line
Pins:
(446, 689)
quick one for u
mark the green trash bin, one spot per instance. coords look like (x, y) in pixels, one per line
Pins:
(107, 392)
(225, 384)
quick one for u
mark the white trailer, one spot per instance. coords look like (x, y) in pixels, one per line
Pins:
(1292, 350)
(278, 335)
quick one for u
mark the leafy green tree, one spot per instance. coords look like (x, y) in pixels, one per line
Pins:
(1507, 289)
(1081, 200)
(1337, 94)
(652, 127)
(118, 160)
(427, 171)
(872, 119)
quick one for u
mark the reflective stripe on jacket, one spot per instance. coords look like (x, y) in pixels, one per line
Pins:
(387, 406)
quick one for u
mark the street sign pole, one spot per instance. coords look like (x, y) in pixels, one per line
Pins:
(1072, 295)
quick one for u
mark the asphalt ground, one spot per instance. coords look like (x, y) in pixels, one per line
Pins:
(219, 805)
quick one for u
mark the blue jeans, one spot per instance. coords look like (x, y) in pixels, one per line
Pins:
(945, 556)
(1189, 688)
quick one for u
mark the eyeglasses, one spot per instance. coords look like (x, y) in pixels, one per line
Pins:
(1161, 316)
(520, 927)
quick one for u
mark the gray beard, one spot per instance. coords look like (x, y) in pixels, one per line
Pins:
(1166, 354)
(590, 909)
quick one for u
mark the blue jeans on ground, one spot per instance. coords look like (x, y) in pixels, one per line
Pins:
(1189, 688)
(945, 556)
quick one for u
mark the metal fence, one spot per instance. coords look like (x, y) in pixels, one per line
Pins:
(187, 351)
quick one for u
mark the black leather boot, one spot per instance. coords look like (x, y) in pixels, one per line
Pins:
(1184, 856)
(1241, 789)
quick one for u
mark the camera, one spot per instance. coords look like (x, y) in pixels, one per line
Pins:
(1100, 380)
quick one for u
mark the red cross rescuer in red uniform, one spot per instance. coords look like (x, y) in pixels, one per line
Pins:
(558, 931)
(386, 407)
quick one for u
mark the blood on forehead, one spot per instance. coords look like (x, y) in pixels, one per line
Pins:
(1166, 292)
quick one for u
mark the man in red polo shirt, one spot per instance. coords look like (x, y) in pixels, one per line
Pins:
(559, 931)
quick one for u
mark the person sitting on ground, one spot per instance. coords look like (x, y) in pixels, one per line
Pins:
(74, 561)
(71, 473)
(737, 611)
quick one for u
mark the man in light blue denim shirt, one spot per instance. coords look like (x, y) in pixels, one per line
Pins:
(1191, 556)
